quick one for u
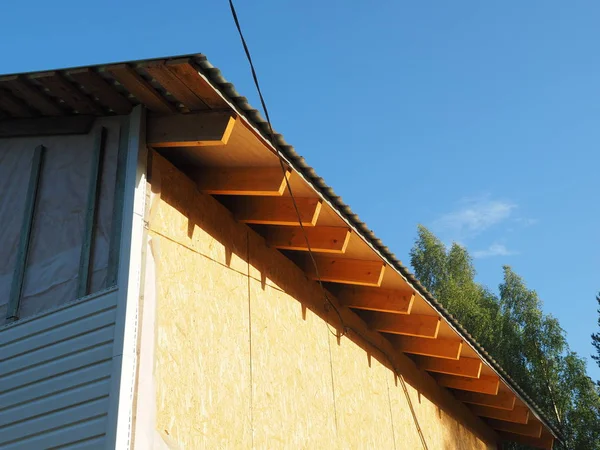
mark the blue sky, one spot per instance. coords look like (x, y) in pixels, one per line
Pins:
(480, 120)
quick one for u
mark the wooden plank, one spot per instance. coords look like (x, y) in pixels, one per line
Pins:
(437, 348)
(346, 271)
(31, 95)
(60, 87)
(97, 86)
(90, 213)
(13, 105)
(485, 384)
(503, 400)
(383, 300)
(464, 367)
(519, 414)
(320, 239)
(171, 83)
(117, 215)
(140, 88)
(190, 130)
(546, 441)
(185, 71)
(260, 181)
(46, 126)
(408, 325)
(276, 210)
(12, 312)
(531, 429)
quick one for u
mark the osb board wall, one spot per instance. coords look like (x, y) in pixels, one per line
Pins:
(245, 359)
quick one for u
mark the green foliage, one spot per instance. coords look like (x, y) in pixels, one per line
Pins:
(530, 345)
(596, 338)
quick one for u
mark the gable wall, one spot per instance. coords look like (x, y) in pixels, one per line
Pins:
(241, 356)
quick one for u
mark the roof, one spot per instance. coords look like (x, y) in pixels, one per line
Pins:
(116, 88)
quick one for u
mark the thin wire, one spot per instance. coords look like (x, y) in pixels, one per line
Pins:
(284, 170)
(344, 329)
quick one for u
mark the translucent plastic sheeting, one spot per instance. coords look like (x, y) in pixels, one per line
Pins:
(58, 226)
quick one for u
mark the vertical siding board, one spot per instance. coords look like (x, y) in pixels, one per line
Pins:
(12, 312)
(55, 376)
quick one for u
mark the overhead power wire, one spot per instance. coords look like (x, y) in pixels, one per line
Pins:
(344, 330)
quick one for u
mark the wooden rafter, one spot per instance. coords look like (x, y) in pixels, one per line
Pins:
(276, 210)
(190, 130)
(320, 239)
(503, 400)
(485, 384)
(531, 429)
(408, 325)
(545, 441)
(13, 105)
(184, 70)
(173, 84)
(260, 181)
(31, 95)
(382, 300)
(464, 367)
(140, 88)
(346, 271)
(60, 87)
(519, 414)
(437, 348)
(99, 88)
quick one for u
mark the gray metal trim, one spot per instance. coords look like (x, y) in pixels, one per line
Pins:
(90, 213)
(117, 215)
(16, 288)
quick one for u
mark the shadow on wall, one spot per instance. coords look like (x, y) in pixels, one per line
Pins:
(201, 224)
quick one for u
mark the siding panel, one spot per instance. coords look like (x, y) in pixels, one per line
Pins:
(55, 376)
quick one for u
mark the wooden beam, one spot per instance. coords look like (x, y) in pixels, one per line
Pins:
(519, 414)
(190, 130)
(140, 88)
(46, 126)
(61, 88)
(503, 400)
(464, 367)
(382, 300)
(320, 239)
(14, 299)
(260, 181)
(546, 441)
(346, 271)
(13, 105)
(178, 89)
(485, 384)
(98, 87)
(185, 71)
(31, 95)
(531, 429)
(437, 348)
(408, 325)
(276, 210)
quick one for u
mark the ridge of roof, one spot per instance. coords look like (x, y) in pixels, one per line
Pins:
(298, 162)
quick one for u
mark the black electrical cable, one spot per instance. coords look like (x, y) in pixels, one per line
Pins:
(344, 329)
(282, 163)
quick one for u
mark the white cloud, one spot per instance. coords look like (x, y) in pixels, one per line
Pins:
(526, 221)
(493, 250)
(473, 217)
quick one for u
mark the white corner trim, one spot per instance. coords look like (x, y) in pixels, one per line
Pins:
(119, 426)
